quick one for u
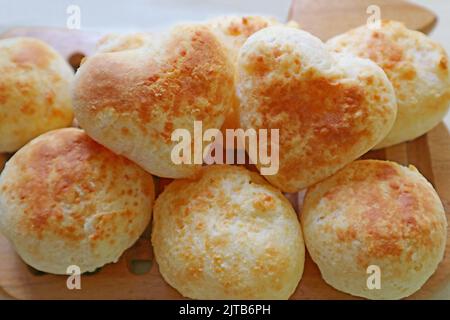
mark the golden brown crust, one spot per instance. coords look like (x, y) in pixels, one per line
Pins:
(329, 109)
(170, 87)
(392, 210)
(64, 187)
(375, 213)
(246, 26)
(34, 91)
(384, 51)
(417, 68)
(227, 235)
(153, 92)
(32, 53)
(327, 122)
(69, 159)
(233, 31)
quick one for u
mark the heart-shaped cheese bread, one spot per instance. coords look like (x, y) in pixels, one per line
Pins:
(131, 101)
(329, 108)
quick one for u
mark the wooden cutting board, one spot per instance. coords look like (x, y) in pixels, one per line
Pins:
(136, 275)
(2, 161)
(327, 18)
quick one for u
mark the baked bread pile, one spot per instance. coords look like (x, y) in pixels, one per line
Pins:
(83, 196)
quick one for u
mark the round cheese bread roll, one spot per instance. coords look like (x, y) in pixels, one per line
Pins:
(329, 108)
(34, 91)
(417, 67)
(66, 200)
(131, 101)
(375, 218)
(227, 234)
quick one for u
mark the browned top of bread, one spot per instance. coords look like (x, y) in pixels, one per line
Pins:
(375, 213)
(131, 101)
(152, 88)
(63, 169)
(227, 234)
(329, 108)
(34, 91)
(390, 208)
(416, 65)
